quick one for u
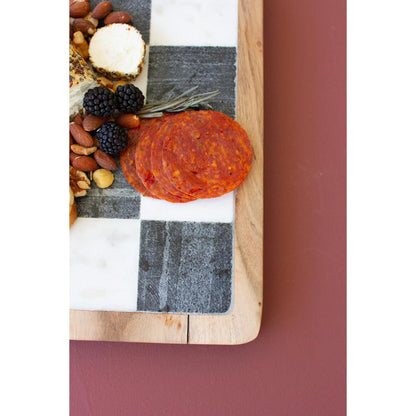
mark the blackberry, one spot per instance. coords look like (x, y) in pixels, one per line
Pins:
(100, 101)
(112, 138)
(129, 98)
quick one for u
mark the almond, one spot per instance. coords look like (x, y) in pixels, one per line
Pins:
(81, 136)
(118, 17)
(82, 25)
(102, 9)
(92, 122)
(81, 150)
(128, 121)
(78, 119)
(72, 156)
(84, 163)
(105, 160)
(79, 8)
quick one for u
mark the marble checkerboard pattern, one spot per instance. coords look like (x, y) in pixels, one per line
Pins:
(134, 253)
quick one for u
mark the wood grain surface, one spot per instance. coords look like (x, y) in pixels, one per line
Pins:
(242, 323)
(128, 327)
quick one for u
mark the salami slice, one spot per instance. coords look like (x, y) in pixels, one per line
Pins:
(156, 158)
(206, 154)
(144, 166)
(127, 158)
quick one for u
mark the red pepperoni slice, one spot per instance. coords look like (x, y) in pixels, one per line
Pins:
(156, 158)
(144, 167)
(206, 154)
(127, 158)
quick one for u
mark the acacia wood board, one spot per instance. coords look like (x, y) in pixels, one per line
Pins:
(242, 323)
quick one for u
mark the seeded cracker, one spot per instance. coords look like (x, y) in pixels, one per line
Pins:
(81, 79)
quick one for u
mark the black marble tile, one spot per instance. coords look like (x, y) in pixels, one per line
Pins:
(175, 69)
(185, 267)
(140, 10)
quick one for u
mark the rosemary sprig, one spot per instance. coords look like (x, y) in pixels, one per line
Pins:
(182, 102)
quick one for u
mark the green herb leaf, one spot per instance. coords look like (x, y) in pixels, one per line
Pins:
(181, 103)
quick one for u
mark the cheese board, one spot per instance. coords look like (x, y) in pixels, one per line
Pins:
(150, 270)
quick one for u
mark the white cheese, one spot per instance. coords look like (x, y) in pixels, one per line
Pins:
(117, 51)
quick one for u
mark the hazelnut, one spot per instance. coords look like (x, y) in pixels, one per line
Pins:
(103, 178)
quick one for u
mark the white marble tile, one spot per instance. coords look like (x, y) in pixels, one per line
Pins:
(141, 81)
(194, 22)
(104, 264)
(219, 209)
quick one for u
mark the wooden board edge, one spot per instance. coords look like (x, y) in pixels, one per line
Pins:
(128, 327)
(242, 324)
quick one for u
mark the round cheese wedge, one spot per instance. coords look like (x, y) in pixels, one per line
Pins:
(117, 51)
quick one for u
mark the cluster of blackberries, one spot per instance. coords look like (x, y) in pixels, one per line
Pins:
(103, 102)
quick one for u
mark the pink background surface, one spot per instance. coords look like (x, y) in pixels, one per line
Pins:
(296, 366)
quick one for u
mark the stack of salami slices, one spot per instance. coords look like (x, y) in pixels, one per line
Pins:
(186, 156)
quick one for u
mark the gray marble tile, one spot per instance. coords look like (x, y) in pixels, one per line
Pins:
(100, 205)
(185, 267)
(140, 10)
(175, 69)
(120, 200)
